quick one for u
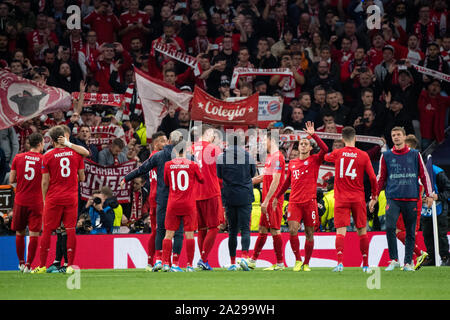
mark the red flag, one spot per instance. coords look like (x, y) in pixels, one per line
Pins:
(211, 110)
(22, 99)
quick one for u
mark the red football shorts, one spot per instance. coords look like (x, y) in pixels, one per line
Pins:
(272, 219)
(24, 216)
(54, 214)
(401, 223)
(306, 211)
(208, 211)
(173, 221)
(343, 210)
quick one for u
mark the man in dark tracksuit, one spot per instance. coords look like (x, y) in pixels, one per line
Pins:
(400, 171)
(442, 190)
(158, 160)
(236, 168)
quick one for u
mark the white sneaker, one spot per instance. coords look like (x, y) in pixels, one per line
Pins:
(27, 270)
(392, 265)
(21, 267)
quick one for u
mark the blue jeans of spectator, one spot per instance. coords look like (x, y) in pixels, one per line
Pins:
(409, 211)
(238, 218)
(161, 230)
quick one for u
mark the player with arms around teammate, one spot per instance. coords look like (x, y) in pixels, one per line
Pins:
(272, 179)
(400, 171)
(302, 176)
(62, 169)
(208, 194)
(350, 164)
(159, 140)
(181, 176)
(28, 204)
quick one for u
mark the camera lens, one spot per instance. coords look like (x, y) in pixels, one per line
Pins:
(97, 200)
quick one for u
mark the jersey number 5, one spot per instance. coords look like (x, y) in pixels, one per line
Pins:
(179, 183)
(29, 170)
(349, 172)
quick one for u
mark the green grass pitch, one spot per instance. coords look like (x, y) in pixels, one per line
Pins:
(319, 284)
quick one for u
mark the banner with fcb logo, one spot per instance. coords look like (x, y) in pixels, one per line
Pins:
(22, 99)
(98, 176)
(269, 109)
(208, 109)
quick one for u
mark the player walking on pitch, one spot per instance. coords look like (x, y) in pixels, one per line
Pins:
(207, 195)
(181, 176)
(62, 169)
(270, 221)
(350, 165)
(302, 176)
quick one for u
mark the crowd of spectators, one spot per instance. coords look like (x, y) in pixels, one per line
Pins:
(344, 73)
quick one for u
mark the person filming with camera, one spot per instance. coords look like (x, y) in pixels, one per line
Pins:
(99, 211)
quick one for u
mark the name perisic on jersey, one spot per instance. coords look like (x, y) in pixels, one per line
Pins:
(350, 154)
(63, 154)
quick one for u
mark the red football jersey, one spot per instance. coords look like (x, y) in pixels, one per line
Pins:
(62, 164)
(275, 163)
(206, 154)
(28, 167)
(181, 175)
(153, 183)
(303, 175)
(350, 164)
(127, 19)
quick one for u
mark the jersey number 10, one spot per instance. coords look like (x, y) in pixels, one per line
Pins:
(178, 184)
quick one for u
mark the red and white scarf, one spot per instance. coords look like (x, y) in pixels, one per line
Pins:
(132, 98)
(109, 99)
(239, 72)
(136, 207)
(170, 52)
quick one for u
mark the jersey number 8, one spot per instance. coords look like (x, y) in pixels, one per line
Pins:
(65, 169)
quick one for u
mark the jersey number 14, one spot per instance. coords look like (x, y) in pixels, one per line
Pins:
(349, 172)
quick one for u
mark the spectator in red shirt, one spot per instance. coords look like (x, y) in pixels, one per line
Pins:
(40, 39)
(103, 22)
(432, 110)
(101, 68)
(345, 54)
(135, 24)
(200, 44)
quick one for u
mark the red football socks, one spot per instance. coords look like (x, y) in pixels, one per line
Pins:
(309, 246)
(201, 239)
(402, 236)
(295, 245)
(32, 246)
(209, 243)
(151, 247)
(364, 247)
(167, 251)
(20, 248)
(278, 247)
(158, 254)
(260, 241)
(340, 239)
(233, 260)
(45, 247)
(190, 250)
(71, 245)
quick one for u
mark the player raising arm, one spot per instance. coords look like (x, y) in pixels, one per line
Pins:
(180, 175)
(302, 178)
(350, 164)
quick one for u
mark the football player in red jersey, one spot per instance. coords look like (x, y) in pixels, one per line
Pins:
(272, 179)
(181, 176)
(28, 204)
(62, 169)
(350, 165)
(207, 195)
(302, 176)
(159, 140)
